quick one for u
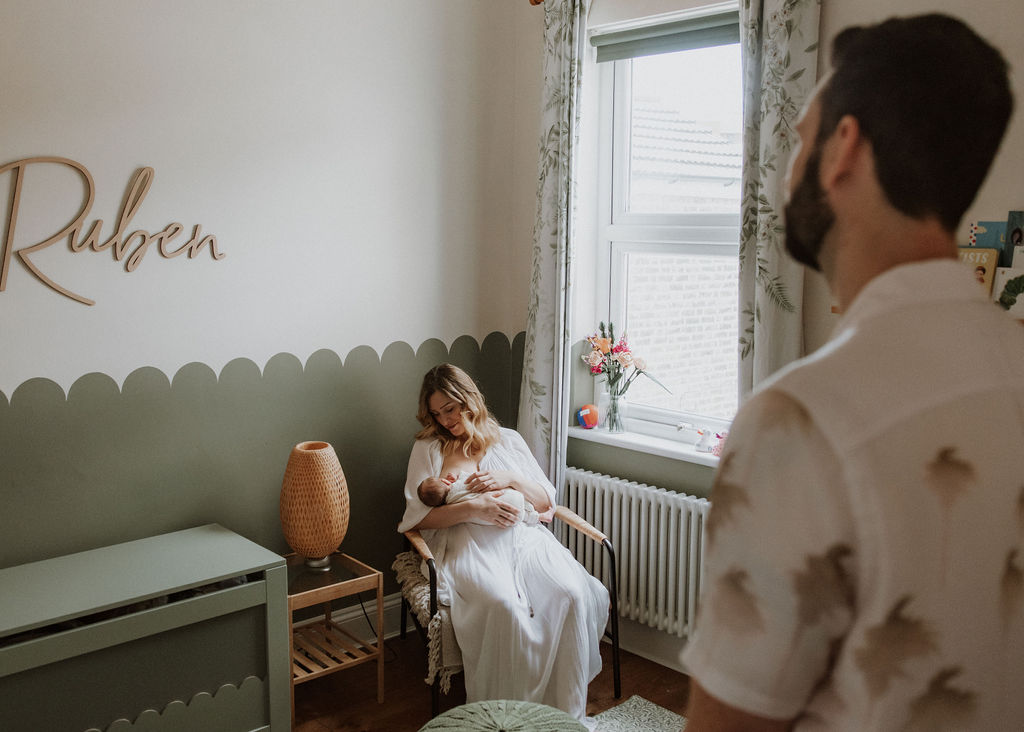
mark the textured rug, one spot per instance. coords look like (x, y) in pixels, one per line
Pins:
(636, 714)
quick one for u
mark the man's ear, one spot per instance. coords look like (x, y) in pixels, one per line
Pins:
(841, 152)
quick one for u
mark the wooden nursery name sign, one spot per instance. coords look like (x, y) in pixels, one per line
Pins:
(125, 246)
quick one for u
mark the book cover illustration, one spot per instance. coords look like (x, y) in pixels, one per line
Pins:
(1008, 290)
(990, 235)
(984, 262)
(1014, 237)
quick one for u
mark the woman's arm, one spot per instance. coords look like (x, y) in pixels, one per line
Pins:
(424, 461)
(534, 493)
(527, 477)
(487, 480)
(488, 507)
(705, 712)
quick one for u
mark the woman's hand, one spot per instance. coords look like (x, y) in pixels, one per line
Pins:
(483, 481)
(490, 480)
(495, 511)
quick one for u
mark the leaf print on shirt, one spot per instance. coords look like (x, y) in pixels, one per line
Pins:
(949, 476)
(1011, 589)
(941, 706)
(824, 585)
(890, 645)
(823, 591)
(726, 498)
(734, 606)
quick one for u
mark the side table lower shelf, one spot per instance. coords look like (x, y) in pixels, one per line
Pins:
(321, 647)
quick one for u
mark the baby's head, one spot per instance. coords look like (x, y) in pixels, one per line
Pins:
(433, 491)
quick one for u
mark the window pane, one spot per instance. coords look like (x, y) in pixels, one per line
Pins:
(685, 132)
(682, 319)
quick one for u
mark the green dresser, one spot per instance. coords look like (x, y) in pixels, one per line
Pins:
(182, 631)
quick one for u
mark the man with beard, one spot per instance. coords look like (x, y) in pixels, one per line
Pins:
(865, 549)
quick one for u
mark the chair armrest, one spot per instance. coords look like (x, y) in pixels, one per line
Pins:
(573, 519)
(416, 539)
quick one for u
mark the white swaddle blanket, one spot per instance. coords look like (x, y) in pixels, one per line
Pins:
(459, 493)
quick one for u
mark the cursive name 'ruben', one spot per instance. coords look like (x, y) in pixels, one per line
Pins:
(129, 248)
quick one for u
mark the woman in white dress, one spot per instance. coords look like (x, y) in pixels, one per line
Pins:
(526, 615)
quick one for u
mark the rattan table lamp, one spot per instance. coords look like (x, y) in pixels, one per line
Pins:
(314, 503)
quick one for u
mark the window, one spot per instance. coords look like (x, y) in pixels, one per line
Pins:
(668, 230)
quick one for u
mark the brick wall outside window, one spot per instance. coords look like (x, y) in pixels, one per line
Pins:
(682, 319)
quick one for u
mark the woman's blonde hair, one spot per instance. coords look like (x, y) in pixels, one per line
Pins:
(482, 429)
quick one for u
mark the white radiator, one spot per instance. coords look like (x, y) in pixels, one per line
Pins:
(658, 537)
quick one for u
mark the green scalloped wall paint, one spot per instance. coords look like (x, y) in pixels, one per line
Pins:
(103, 465)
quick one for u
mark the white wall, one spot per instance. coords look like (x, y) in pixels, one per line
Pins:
(368, 168)
(1000, 21)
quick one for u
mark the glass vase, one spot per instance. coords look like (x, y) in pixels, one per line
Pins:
(616, 420)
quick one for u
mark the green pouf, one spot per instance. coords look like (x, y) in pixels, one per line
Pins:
(504, 716)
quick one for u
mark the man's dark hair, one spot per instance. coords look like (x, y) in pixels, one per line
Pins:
(933, 98)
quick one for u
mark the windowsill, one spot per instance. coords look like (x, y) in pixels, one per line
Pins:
(646, 444)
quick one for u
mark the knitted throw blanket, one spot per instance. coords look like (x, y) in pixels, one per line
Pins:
(444, 658)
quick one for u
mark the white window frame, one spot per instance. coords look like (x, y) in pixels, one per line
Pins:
(620, 232)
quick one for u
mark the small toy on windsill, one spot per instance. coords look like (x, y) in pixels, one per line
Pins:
(720, 445)
(704, 443)
(587, 416)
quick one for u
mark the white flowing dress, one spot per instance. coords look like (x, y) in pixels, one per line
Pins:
(527, 616)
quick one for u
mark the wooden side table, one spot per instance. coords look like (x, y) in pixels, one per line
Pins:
(323, 647)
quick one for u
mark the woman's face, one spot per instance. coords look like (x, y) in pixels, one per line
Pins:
(446, 412)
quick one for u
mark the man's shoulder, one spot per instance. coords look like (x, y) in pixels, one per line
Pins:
(842, 354)
(772, 409)
(895, 367)
(830, 388)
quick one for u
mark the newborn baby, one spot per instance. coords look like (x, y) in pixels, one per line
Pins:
(436, 492)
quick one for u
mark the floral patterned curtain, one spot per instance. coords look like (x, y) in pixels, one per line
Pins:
(780, 53)
(543, 403)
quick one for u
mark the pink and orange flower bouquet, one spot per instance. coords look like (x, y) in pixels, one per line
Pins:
(614, 359)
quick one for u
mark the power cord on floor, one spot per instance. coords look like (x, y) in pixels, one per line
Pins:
(387, 646)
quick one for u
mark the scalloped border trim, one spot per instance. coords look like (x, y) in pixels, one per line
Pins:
(283, 361)
(203, 711)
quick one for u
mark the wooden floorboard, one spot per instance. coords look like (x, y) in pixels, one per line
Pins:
(346, 701)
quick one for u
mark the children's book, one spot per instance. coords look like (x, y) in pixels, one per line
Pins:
(1014, 237)
(1008, 289)
(990, 235)
(983, 262)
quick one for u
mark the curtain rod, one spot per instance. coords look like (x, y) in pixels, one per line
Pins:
(536, 2)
